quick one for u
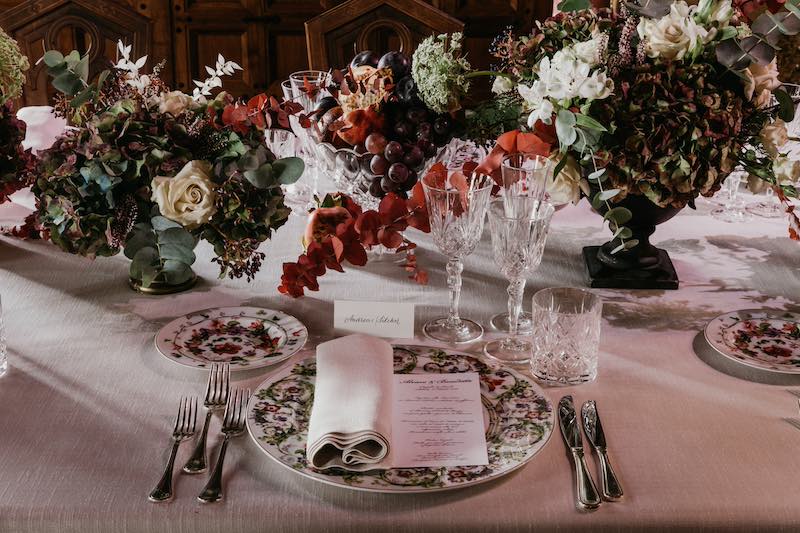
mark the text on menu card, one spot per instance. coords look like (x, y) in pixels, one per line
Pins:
(437, 420)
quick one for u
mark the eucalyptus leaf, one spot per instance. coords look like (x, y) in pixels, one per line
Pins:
(565, 127)
(573, 5)
(623, 232)
(262, 177)
(53, 58)
(68, 83)
(618, 215)
(607, 194)
(758, 49)
(144, 265)
(731, 55)
(161, 223)
(176, 272)
(176, 236)
(588, 122)
(598, 176)
(650, 8)
(138, 240)
(176, 253)
(82, 68)
(288, 170)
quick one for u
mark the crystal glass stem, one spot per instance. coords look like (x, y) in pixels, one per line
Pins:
(454, 269)
(516, 289)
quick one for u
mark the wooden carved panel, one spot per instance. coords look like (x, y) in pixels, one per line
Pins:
(233, 28)
(92, 26)
(380, 25)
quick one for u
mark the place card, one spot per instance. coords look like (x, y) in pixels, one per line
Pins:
(381, 319)
(437, 420)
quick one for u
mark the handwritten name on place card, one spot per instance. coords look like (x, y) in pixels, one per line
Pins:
(381, 319)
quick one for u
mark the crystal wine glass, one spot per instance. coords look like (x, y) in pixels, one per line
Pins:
(524, 179)
(308, 90)
(732, 210)
(284, 143)
(457, 216)
(517, 243)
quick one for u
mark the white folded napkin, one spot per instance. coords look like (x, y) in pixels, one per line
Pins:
(351, 418)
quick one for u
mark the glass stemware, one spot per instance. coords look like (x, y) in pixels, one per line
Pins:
(769, 207)
(300, 83)
(284, 143)
(524, 178)
(517, 243)
(456, 216)
(732, 210)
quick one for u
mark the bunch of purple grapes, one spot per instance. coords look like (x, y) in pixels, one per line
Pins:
(414, 137)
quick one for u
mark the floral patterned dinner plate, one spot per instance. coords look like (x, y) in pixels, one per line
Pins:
(517, 416)
(245, 337)
(767, 340)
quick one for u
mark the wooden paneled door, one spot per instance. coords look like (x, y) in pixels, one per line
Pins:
(267, 37)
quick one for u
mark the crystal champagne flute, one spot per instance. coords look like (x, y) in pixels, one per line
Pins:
(457, 215)
(525, 179)
(517, 245)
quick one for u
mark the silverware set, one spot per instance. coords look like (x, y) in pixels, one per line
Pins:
(587, 494)
(218, 396)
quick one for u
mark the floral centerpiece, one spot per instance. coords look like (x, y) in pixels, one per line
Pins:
(13, 158)
(646, 107)
(150, 171)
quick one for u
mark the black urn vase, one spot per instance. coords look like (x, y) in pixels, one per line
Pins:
(642, 267)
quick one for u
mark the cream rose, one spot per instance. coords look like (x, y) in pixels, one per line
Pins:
(760, 81)
(188, 197)
(773, 136)
(566, 187)
(674, 35)
(174, 102)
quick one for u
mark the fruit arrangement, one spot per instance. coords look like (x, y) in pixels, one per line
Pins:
(375, 111)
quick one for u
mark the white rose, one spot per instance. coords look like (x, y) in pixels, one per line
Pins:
(597, 86)
(773, 136)
(174, 103)
(565, 187)
(760, 81)
(674, 35)
(188, 197)
(502, 85)
(786, 170)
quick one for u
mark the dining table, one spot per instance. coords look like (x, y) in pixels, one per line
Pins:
(698, 442)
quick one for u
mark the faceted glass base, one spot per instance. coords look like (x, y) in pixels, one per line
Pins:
(509, 351)
(766, 210)
(440, 329)
(731, 214)
(500, 323)
(3, 366)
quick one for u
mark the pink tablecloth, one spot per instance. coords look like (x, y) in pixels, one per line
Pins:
(87, 405)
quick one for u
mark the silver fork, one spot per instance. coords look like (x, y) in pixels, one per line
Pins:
(185, 426)
(217, 392)
(232, 426)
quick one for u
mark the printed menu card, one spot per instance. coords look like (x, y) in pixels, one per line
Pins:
(437, 420)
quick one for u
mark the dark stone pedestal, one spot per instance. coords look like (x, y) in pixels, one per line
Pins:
(660, 274)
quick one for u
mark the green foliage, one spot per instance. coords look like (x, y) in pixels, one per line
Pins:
(160, 251)
(574, 5)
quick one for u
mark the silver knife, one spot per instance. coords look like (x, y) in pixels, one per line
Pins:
(588, 498)
(609, 484)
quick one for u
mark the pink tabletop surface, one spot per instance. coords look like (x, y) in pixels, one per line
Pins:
(86, 406)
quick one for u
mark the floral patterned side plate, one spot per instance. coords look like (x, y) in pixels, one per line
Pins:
(517, 415)
(245, 337)
(767, 340)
